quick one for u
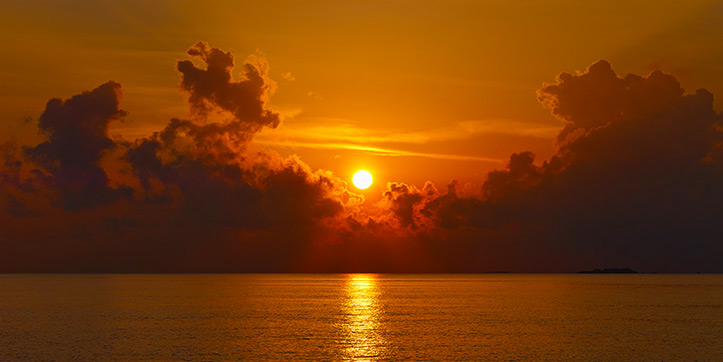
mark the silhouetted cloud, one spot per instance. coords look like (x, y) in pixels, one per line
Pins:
(203, 166)
(77, 132)
(214, 87)
(637, 176)
(406, 201)
(636, 180)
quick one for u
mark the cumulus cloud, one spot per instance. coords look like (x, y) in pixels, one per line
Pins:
(213, 88)
(77, 132)
(635, 181)
(406, 201)
(196, 175)
(204, 167)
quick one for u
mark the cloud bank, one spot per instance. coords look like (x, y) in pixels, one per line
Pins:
(635, 181)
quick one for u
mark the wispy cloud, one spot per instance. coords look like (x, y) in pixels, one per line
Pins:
(378, 151)
(330, 133)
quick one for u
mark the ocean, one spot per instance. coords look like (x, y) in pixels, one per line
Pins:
(361, 317)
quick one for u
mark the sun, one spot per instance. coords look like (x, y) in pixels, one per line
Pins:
(362, 179)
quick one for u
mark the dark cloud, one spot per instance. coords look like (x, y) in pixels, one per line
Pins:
(637, 177)
(406, 201)
(202, 199)
(214, 88)
(17, 208)
(636, 181)
(203, 166)
(252, 195)
(77, 132)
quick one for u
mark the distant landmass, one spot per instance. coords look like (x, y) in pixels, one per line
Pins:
(609, 271)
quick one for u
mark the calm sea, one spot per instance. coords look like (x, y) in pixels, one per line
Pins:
(495, 317)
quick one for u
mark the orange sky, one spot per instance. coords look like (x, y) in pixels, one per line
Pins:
(179, 136)
(410, 90)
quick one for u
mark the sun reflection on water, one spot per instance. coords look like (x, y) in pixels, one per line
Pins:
(361, 326)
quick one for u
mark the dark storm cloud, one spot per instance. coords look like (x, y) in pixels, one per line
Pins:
(636, 181)
(214, 87)
(201, 200)
(252, 196)
(77, 132)
(637, 178)
(404, 201)
(203, 166)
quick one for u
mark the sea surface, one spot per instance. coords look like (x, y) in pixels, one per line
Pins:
(361, 317)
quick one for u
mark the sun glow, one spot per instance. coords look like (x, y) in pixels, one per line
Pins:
(362, 179)
(362, 325)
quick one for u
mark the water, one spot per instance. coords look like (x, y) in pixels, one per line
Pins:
(361, 317)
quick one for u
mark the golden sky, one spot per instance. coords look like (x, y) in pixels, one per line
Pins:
(411, 90)
(182, 136)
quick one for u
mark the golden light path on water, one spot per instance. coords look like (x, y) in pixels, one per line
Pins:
(361, 326)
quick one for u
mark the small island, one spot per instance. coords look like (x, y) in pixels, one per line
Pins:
(609, 271)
